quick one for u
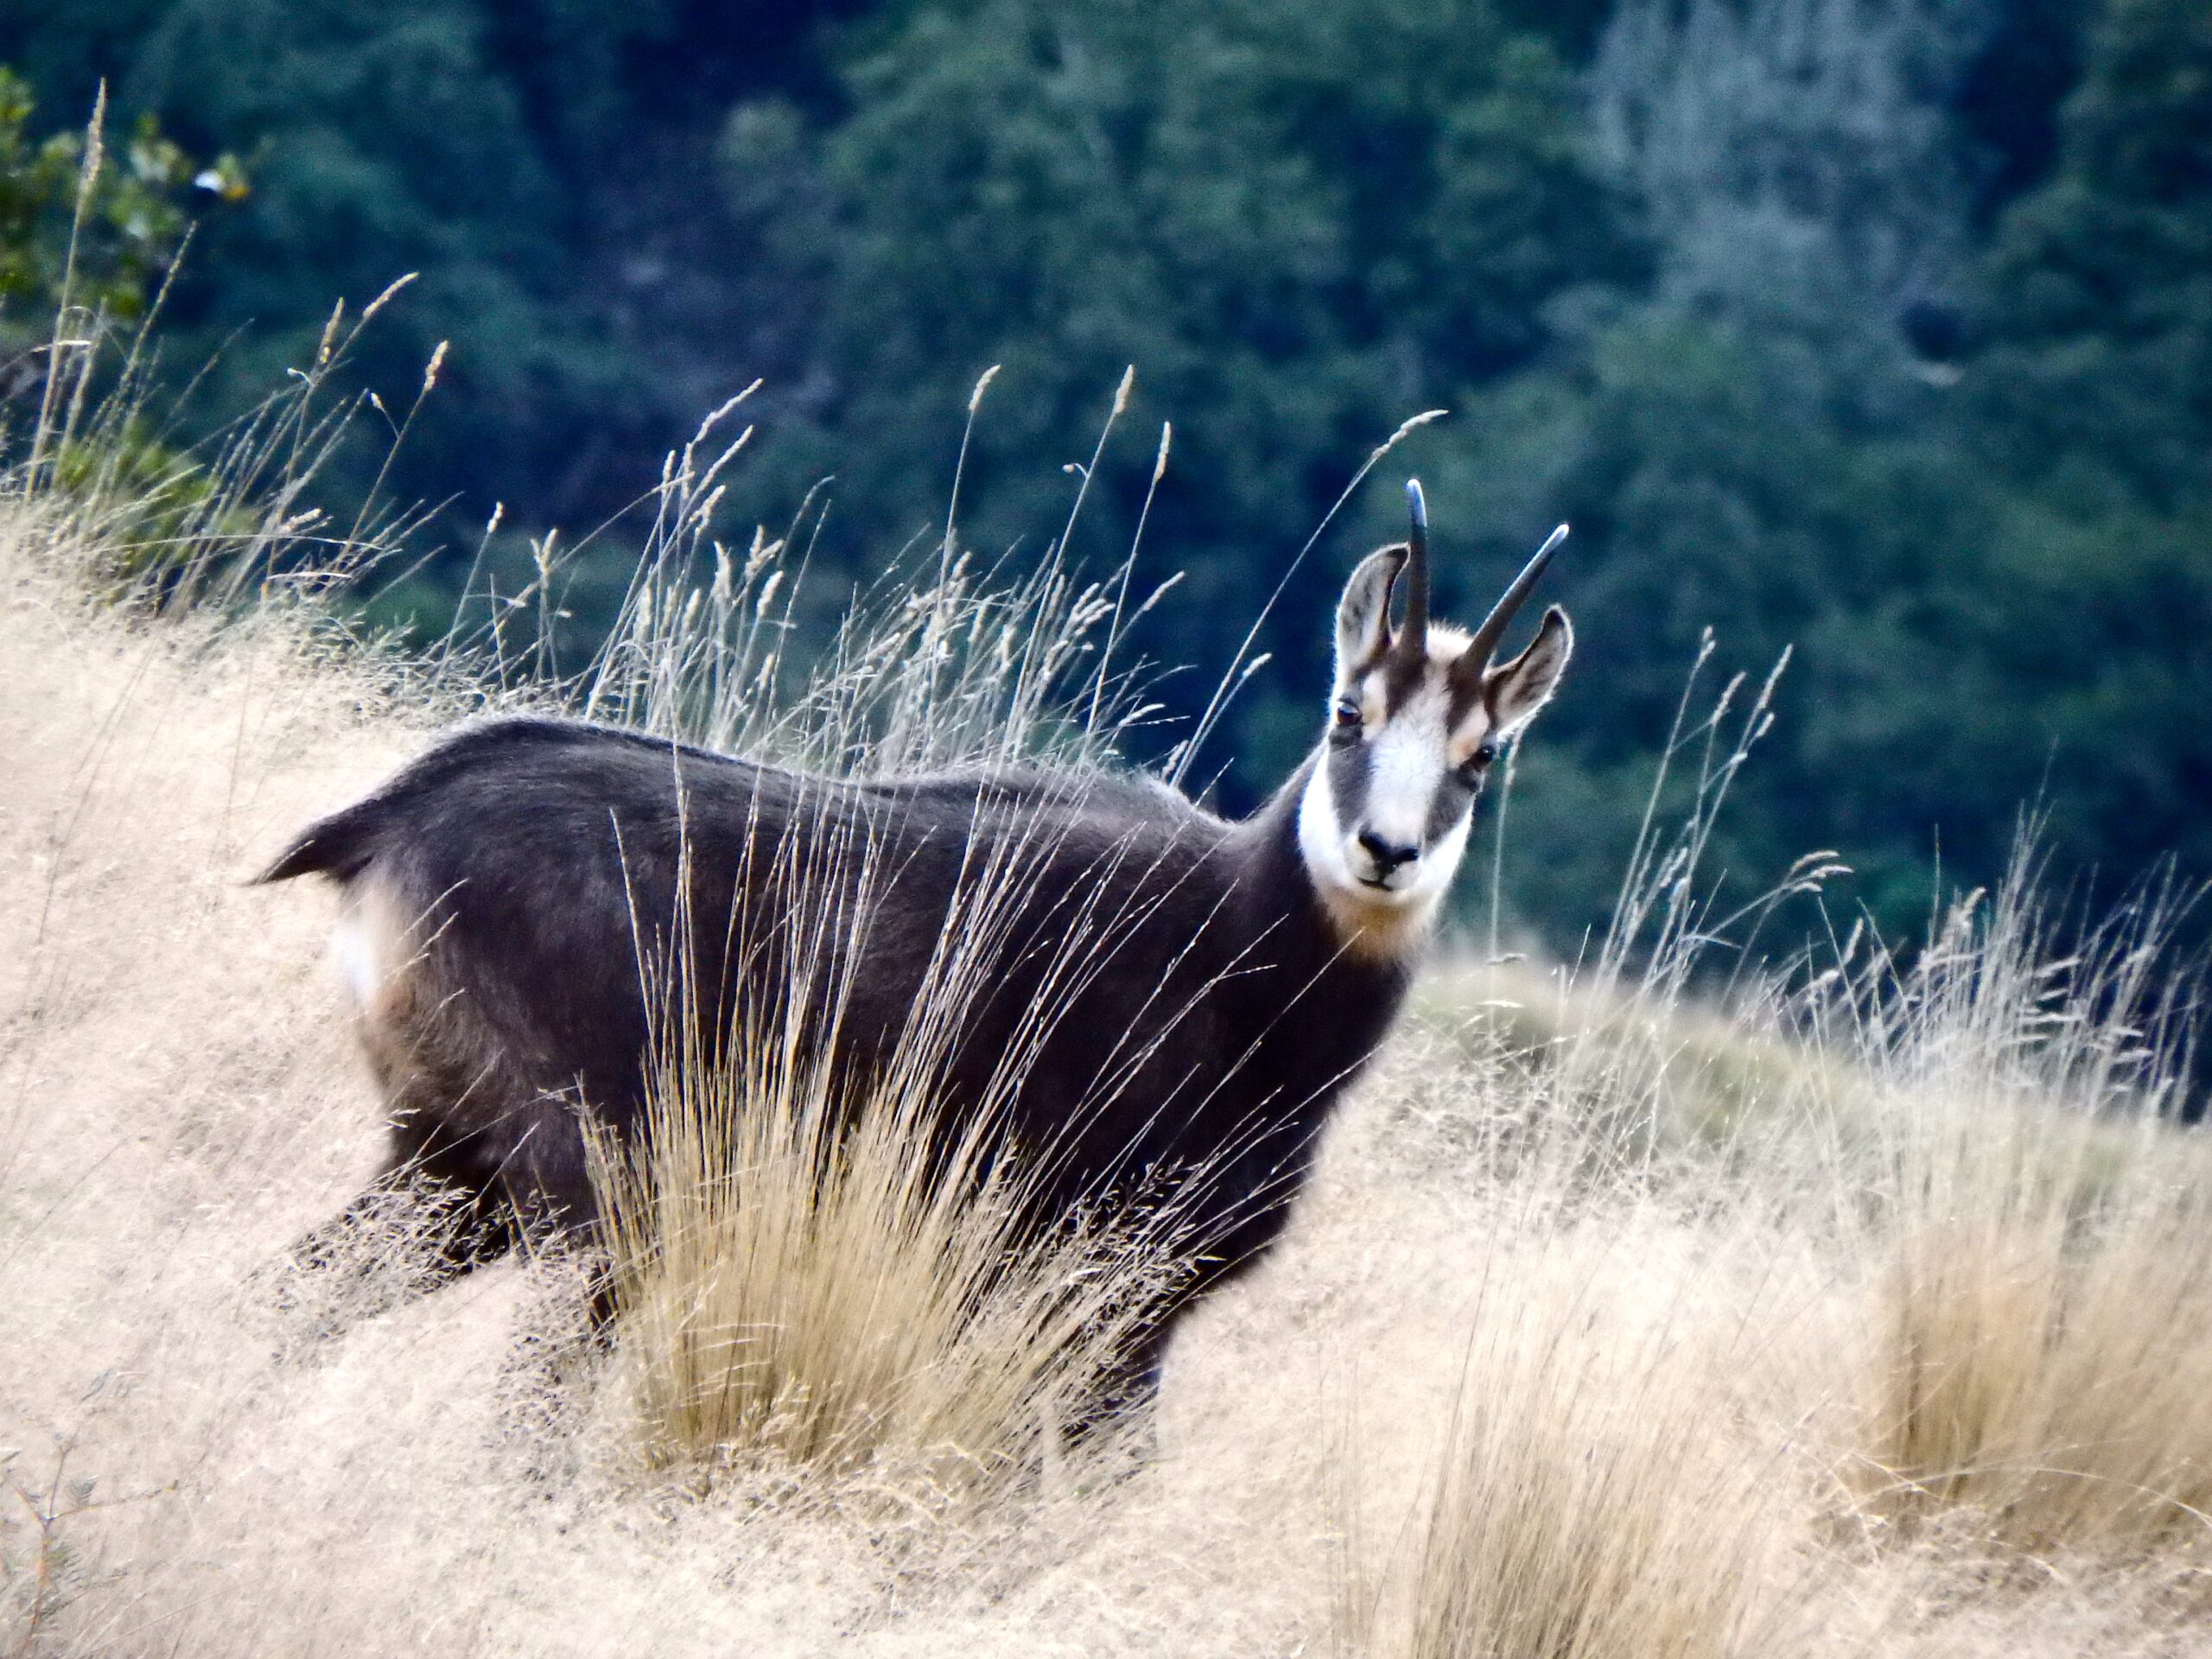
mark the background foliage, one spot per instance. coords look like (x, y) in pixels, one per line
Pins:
(1880, 327)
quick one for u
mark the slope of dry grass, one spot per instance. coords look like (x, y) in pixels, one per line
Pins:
(1519, 1382)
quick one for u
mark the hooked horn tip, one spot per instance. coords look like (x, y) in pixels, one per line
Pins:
(1413, 644)
(1486, 637)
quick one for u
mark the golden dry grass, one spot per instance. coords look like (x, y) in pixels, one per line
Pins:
(797, 1286)
(2055, 1387)
(1520, 1381)
(2039, 1289)
(1594, 1492)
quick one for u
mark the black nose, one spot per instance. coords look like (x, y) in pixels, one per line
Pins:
(1386, 854)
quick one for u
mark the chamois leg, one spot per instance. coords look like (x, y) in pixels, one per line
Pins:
(423, 1222)
(417, 1227)
(1127, 1394)
(561, 1338)
(1124, 1402)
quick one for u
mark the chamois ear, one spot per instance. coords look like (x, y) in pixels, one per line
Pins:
(1364, 613)
(1514, 691)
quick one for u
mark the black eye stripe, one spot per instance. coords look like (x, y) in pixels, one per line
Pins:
(1349, 760)
(1454, 798)
(1466, 696)
(1348, 767)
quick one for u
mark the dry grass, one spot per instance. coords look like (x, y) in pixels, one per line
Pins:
(1937, 1267)
(2040, 1245)
(799, 1284)
(1865, 1314)
(1534, 1390)
(1594, 1493)
(2054, 1386)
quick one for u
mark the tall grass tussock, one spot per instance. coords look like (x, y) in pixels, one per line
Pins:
(794, 1282)
(2038, 1356)
(794, 1278)
(844, 1278)
(1677, 1302)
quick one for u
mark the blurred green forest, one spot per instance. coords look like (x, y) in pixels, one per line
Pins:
(1880, 328)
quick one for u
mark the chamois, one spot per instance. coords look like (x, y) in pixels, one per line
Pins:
(1189, 995)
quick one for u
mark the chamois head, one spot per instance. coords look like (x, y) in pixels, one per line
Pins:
(1419, 714)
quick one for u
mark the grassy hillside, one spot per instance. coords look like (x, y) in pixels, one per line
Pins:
(1825, 1324)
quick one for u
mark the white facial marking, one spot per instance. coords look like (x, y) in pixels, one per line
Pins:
(1369, 853)
(1441, 862)
(1405, 762)
(1320, 838)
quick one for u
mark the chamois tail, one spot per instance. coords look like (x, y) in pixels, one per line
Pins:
(340, 846)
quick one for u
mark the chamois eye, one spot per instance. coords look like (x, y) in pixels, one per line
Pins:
(1478, 763)
(1348, 716)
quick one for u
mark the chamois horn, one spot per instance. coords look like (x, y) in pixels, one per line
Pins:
(1413, 644)
(1486, 638)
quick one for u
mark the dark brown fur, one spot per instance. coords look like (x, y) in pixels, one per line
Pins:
(1205, 1016)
